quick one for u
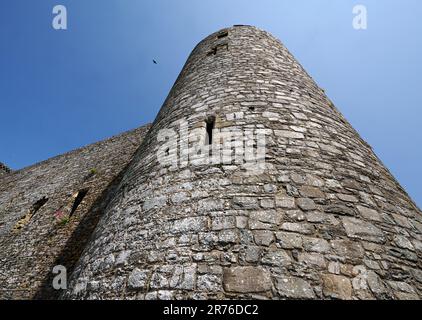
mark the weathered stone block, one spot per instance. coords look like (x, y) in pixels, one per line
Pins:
(270, 216)
(289, 134)
(369, 214)
(347, 249)
(277, 258)
(298, 227)
(338, 287)
(339, 209)
(224, 222)
(294, 288)
(359, 229)
(263, 237)
(209, 282)
(138, 279)
(312, 259)
(246, 280)
(306, 204)
(289, 240)
(285, 202)
(245, 203)
(316, 245)
(191, 224)
(311, 192)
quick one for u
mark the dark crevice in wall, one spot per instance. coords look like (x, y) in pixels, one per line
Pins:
(212, 52)
(210, 125)
(37, 205)
(80, 196)
(222, 34)
(218, 48)
(4, 169)
(27, 217)
(79, 239)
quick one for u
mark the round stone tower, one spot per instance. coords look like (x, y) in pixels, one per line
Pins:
(251, 184)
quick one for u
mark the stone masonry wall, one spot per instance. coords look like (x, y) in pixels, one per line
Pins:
(49, 210)
(324, 219)
(4, 169)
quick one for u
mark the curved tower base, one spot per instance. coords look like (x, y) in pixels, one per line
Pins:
(251, 184)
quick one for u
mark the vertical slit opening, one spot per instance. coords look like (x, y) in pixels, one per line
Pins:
(210, 125)
(81, 195)
(31, 212)
(37, 205)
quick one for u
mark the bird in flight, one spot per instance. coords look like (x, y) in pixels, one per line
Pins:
(155, 62)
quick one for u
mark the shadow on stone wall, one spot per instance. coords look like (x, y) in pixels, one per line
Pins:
(74, 247)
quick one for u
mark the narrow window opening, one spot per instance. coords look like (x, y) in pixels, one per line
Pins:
(37, 205)
(80, 196)
(167, 152)
(217, 48)
(222, 34)
(252, 108)
(210, 125)
(212, 52)
(27, 217)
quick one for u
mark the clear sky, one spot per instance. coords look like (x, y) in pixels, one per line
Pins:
(60, 90)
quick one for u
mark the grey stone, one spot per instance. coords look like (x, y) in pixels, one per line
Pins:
(403, 242)
(359, 229)
(164, 295)
(377, 286)
(138, 279)
(338, 287)
(306, 204)
(191, 224)
(278, 258)
(224, 222)
(294, 288)
(246, 280)
(209, 282)
(347, 249)
(245, 203)
(252, 253)
(298, 227)
(347, 198)
(123, 257)
(241, 222)
(289, 134)
(209, 205)
(156, 202)
(312, 259)
(311, 192)
(285, 202)
(339, 209)
(368, 213)
(288, 240)
(180, 197)
(228, 236)
(263, 237)
(316, 217)
(316, 245)
(270, 216)
(267, 203)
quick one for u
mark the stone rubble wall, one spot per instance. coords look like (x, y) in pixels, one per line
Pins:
(325, 219)
(4, 169)
(32, 239)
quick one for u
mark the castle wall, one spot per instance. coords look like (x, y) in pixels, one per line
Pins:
(49, 210)
(4, 169)
(320, 218)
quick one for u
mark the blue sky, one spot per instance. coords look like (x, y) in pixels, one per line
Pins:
(60, 90)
